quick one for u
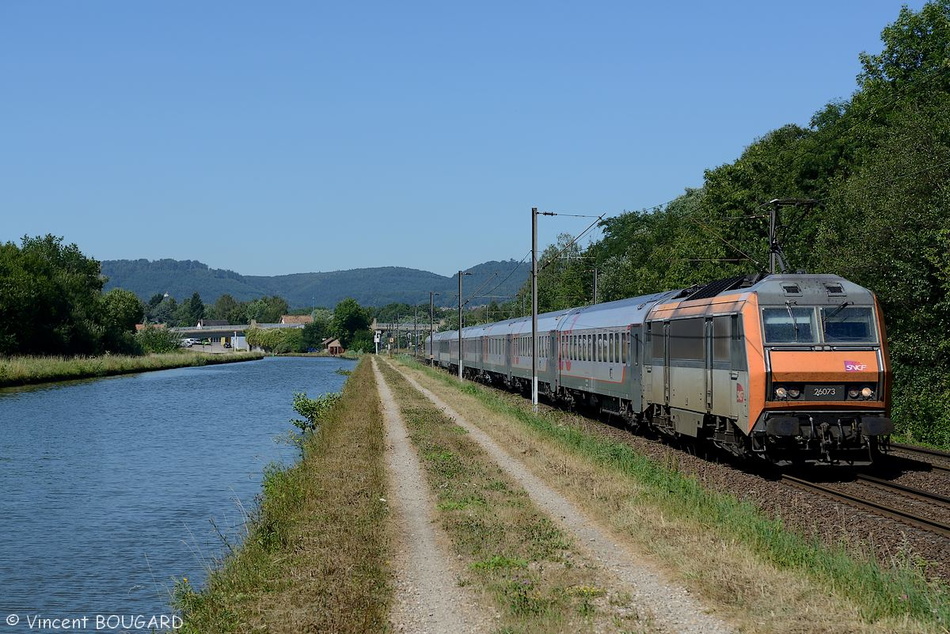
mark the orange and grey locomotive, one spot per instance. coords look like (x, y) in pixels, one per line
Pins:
(789, 368)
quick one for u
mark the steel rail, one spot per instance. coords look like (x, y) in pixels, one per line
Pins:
(920, 494)
(903, 516)
(924, 451)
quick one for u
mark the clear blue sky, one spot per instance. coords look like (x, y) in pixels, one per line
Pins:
(289, 137)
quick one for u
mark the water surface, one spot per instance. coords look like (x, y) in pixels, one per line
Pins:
(110, 489)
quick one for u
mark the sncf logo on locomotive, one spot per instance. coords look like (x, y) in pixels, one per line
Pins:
(854, 366)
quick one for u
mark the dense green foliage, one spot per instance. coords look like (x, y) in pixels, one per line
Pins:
(349, 318)
(157, 340)
(51, 302)
(276, 340)
(313, 410)
(370, 287)
(877, 165)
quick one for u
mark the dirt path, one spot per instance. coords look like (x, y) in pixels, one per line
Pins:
(674, 609)
(427, 597)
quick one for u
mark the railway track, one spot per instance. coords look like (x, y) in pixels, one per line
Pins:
(908, 517)
(938, 460)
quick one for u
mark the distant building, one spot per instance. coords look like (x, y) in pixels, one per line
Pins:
(332, 346)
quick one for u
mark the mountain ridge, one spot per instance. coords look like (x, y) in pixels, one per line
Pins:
(375, 286)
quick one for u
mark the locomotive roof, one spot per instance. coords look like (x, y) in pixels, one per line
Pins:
(771, 289)
(810, 289)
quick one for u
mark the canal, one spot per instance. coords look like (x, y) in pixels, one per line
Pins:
(111, 489)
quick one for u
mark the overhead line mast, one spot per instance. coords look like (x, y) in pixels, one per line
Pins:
(776, 255)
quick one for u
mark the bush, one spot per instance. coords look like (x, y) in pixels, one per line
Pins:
(153, 339)
(312, 409)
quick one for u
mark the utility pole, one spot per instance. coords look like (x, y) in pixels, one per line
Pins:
(460, 322)
(534, 301)
(431, 323)
(776, 255)
(534, 308)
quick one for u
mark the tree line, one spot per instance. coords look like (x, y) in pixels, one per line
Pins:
(52, 303)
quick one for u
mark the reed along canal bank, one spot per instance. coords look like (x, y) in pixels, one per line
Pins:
(115, 489)
(20, 371)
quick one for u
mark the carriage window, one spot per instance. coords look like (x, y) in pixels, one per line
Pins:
(686, 339)
(722, 335)
(848, 325)
(653, 345)
(789, 325)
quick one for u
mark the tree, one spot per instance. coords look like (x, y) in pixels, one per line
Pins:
(915, 58)
(157, 340)
(266, 310)
(121, 311)
(315, 332)
(362, 342)
(348, 319)
(191, 311)
(228, 309)
(49, 299)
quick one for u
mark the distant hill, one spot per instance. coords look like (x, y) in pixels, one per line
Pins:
(370, 287)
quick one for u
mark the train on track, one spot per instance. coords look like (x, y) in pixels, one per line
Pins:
(790, 368)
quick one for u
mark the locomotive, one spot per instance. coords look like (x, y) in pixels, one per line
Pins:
(789, 368)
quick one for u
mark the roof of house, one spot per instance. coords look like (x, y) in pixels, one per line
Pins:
(296, 319)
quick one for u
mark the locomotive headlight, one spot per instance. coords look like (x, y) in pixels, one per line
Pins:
(793, 393)
(781, 393)
(853, 393)
(867, 392)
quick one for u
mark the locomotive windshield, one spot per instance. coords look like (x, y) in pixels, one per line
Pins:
(839, 324)
(790, 325)
(845, 324)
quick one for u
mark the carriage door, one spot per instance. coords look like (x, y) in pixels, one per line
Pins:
(708, 350)
(666, 363)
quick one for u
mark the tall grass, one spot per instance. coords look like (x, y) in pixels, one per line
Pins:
(317, 551)
(881, 593)
(15, 371)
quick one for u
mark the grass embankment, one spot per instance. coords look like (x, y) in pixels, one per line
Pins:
(17, 371)
(762, 576)
(510, 550)
(315, 557)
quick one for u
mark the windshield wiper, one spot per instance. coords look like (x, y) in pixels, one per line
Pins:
(837, 310)
(788, 306)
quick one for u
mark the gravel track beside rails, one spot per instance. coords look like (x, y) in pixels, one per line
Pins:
(674, 608)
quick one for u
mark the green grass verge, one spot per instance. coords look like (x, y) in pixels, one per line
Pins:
(880, 592)
(316, 555)
(17, 371)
